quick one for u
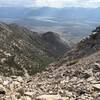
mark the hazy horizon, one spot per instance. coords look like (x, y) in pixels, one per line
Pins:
(73, 18)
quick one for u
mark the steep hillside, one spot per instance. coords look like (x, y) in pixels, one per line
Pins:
(86, 46)
(23, 51)
(53, 44)
(74, 77)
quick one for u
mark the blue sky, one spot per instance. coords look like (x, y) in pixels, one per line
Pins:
(51, 3)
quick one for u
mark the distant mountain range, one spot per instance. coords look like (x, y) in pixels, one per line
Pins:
(71, 23)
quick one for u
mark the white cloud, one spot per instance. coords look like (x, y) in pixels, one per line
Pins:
(51, 3)
(16, 2)
(68, 3)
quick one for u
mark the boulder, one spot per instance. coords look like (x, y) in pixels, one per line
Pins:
(2, 90)
(20, 79)
(30, 94)
(25, 98)
(97, 65)
(51, 97)
(96, 86)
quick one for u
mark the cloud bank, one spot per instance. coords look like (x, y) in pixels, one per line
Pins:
(51, 3)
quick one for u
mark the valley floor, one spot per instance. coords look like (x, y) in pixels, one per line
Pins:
(76, 81)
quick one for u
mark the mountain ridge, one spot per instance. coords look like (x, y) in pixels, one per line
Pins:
(74, 24)
(25, 49)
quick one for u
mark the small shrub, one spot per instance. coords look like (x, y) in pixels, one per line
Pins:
(72, 62)
(93, 36)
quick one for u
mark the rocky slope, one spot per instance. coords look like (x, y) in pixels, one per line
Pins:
(79, 81)
(86, 46)
(23, 51)
(74, 79)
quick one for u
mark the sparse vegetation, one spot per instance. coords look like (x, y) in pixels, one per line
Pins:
(72, 62)
(93, 36)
